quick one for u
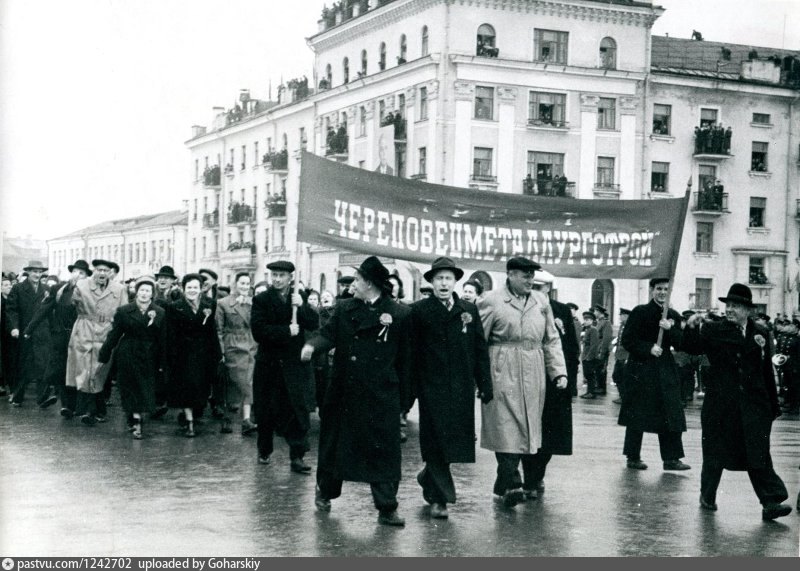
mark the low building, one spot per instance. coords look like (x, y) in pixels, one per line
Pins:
(19, 251)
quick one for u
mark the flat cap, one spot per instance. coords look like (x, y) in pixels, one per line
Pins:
(281, 266)
(523, 264)
(211, 273)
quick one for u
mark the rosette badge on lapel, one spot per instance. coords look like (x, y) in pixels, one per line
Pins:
(466, 319)
(386, 321)
(207, 313)
(761, 342)
(152, 315)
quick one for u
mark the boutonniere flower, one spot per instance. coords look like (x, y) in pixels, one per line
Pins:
(152, 315)
(543, 309)
(46, 294)
(207, 313)
(560, 325)
(466, 319)
(385, 320)
(761, 342)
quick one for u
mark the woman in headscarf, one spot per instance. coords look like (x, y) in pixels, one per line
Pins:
(238, 349)
(194, 350)
(139, 335)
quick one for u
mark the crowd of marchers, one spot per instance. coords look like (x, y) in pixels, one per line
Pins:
(273, 352)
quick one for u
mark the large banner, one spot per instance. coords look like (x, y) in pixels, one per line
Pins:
(362, 211)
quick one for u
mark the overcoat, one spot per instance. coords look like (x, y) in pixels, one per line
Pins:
(193, 352)
(8, 348)
(557, 412)
(95, 310)
(359, 438)
(140, 340)
(741, 398)
(33, 353)
(450, 360)
(652, 398)
(60, 313)
(524, 351)
(238, 346)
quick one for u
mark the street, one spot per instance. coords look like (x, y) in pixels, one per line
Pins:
(69, 490)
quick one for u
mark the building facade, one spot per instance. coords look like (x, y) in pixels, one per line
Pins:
(522, 96)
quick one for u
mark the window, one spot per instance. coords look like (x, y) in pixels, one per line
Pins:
(363, 62)
(607, 113)
(346, 70)
(233, 159)
(708, 117)
(403, 50)
(608, 53)
(255, 152)
(283, 237)
(362, 122)
(328, 77)
(401, 104)
(194, 214)
(662, 119)
(285, 141)
(130, 253)
(659, 178)
(758, 161)
(381, 110)
(758, 208)
(205, 247)
(707, 175)
(544, 167)
(484, 102)
(242, 195)
(605, 171)
(423, 103)
(423, 160)
(303, 140)
(485, 44)
(382, 57)
(757, 274)
(205, 205)
(705, 237)
(547, 109)
(269, 144)
(482, 163)
(762, 118)
(702, 293)
(196, 169)
(169, 250)
(550, 46)
(244, 156)
(424, 50)
(230, 197)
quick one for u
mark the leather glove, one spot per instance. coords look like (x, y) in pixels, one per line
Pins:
(486, 396)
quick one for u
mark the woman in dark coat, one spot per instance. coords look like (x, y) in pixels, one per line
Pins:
(740, 404)
(194, 350)
(139, 335)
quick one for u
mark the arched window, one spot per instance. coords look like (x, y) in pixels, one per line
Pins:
(403, 50)
(424, 41)
(485, 45)
(363, 62)
(329, 75)
(608, 53)
(346, 70)
(382, 58)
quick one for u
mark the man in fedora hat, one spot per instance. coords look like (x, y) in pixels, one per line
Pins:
(451, 361)
(740, 404)
(359, 437)
(343, 285)
(525, 353)
(652, 398)
(96, 300)
(281, 382)
(60, 313)
(166, 288)
(33, 351)
(210, 283)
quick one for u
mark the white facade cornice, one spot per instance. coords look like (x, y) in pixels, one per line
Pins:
(530, 66)
(662, 78)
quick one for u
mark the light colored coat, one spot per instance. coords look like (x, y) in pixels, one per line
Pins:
(524, 349)
(96, 310)
(238, 346)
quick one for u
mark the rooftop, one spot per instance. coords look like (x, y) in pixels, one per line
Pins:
(170, 218)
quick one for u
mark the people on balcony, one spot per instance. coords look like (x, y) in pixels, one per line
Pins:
(545, 186)
(486, 50)
(399, 123)
(228, 168)
(336, 142)
(211, 176)
(710, 197)
(233, 246)
(712, 139)
(758, 277)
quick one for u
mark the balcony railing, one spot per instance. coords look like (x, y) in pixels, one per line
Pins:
(485, 50)
(240, 213)
(277, 161)
(420, 176)
(710, 202)
(606, 187)
(548, 187)
(211, 220)
(336, 142)
(211, 176)
(276, 209)
(551, 123)
(758, 277)
(475, 177)
(712, 141)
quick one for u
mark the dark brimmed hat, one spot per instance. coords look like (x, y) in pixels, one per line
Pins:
(623, 311)
(588, 314)
(523, 264)
(374, 271)
(80, 265)
(281, 266)
(345, 280)
(687, 314)
(426, 289)
(106, 263)
(443, 263)
(655, 281)
(572, 306)
(189, 277)
(211, 273)
(114, 266)
(762, 316)
(167, 272)
(35, 265)
(739, 293)
(601, 309)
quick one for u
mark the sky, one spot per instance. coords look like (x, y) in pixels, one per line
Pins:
(97, 97)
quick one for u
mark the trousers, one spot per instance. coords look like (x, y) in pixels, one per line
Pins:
(767, 485)
(508, 477)
(384, 494)
(274, 413)
(437, 481)
(670, 444)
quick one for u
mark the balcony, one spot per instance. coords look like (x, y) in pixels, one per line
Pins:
(399, 123)
(240, 213)
(336, 142)
(757, 277)
(276, 206)
(240, 256)
(276, 161)
(211, 176)
(211, 220)
(712, 143)
(606, 190)
(545, 123)
(420, 176)
(484, 49)
(548, 187)
(483, 178)
(229, 170)
(710, 203)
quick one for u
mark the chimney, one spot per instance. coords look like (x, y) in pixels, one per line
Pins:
(198, 130)
(218, 118)
(244, 95)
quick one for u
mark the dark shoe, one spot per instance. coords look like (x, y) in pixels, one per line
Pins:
(600, 393)
(137, 431)
(636, 464)
(299, 467)
(439, 511)
(425, 495)
(391, 518)
(88, 420)
(189, 431)
(49, 401)
(540, 487)
(67, 413)
(772, 511)
(617, 401)
(707, 505)
(676, 465)
(513, 497)
(323, 504)
(226, 427)
(588, 395)
(248, 427)
(263, 459)
(159, 412)
(530, 495)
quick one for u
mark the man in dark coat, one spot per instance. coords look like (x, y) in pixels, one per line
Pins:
(606, 333)
(652, 399)
(23, 301)
(359, 437)
(167, 291)
(451, 360)
(620, 356)
(590, 353)
(8, 345)
(281, 382)
(740, 404)
(61, 314)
